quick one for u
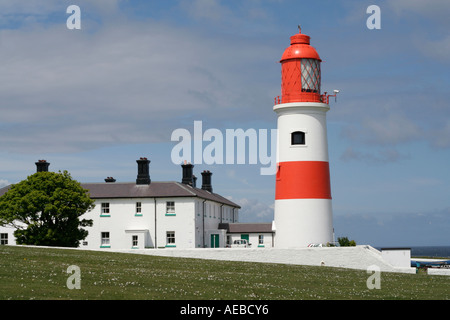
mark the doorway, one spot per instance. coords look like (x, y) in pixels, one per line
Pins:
(214, 240)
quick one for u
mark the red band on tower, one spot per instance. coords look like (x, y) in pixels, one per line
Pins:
(303, 180)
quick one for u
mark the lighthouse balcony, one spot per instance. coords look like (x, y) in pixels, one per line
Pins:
(305, 97)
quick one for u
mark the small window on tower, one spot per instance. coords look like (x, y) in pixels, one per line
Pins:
(297, 138)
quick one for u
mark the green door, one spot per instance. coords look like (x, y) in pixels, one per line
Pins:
(245, 237)
(214, 240)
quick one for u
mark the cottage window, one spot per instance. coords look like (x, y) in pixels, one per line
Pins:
(134, 241)
(138, 209)
(170, 239)
(3, 238)
(105, 209)
(105, 240)
(261, 239)
(170, 208)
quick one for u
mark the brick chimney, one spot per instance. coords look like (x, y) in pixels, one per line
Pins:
(143, 176)
(42, 166)
(206, 180)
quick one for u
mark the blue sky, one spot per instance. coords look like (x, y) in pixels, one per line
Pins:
(94, 100)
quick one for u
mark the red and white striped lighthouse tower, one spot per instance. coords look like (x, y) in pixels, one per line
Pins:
(303, 212)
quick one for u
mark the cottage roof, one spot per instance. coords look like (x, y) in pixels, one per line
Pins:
(152, 190)
(247, 227)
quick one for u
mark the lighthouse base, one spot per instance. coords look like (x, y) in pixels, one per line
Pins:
(301, 222)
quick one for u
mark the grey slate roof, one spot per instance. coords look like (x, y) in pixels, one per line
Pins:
(247, 227)
(153, 190)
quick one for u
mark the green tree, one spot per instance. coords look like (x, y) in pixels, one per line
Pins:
(344, 242)
(45, 209)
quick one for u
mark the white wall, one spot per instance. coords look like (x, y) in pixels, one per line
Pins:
(300, 222)
(397, 257)
(122, 217)
(439, 271)
(208, 216)
(192, 221)
(254, 239)
(123, 222)
(308, 117)
(182, 222)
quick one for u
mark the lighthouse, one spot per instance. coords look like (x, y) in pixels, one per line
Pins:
(303, 210)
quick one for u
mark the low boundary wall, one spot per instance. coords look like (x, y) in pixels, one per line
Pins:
(359, 257)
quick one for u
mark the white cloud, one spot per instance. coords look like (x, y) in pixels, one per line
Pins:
(429, 24)
(206, 9)
(230, 16)
(31, 13)
(392, 129)
(436, 49)
(425, 182)
(124, 83)
(12, 7)
(440, 137)
(435, 9)
(4, 183)
(253, 210)
(385, 155)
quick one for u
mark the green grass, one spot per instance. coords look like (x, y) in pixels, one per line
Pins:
(41, 273)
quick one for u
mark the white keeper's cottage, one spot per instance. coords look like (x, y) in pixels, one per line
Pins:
(148, 214)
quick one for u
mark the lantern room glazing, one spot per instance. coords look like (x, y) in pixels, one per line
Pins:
(300, 71)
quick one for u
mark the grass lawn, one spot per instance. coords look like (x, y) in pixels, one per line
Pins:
(41, 273)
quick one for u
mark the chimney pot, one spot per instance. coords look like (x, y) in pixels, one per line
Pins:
(143, 176)
(188, 177)
(42, 166)
(206, 180)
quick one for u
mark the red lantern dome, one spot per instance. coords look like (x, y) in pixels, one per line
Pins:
(300, 71)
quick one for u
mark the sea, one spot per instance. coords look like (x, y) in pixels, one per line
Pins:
(428, 251)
